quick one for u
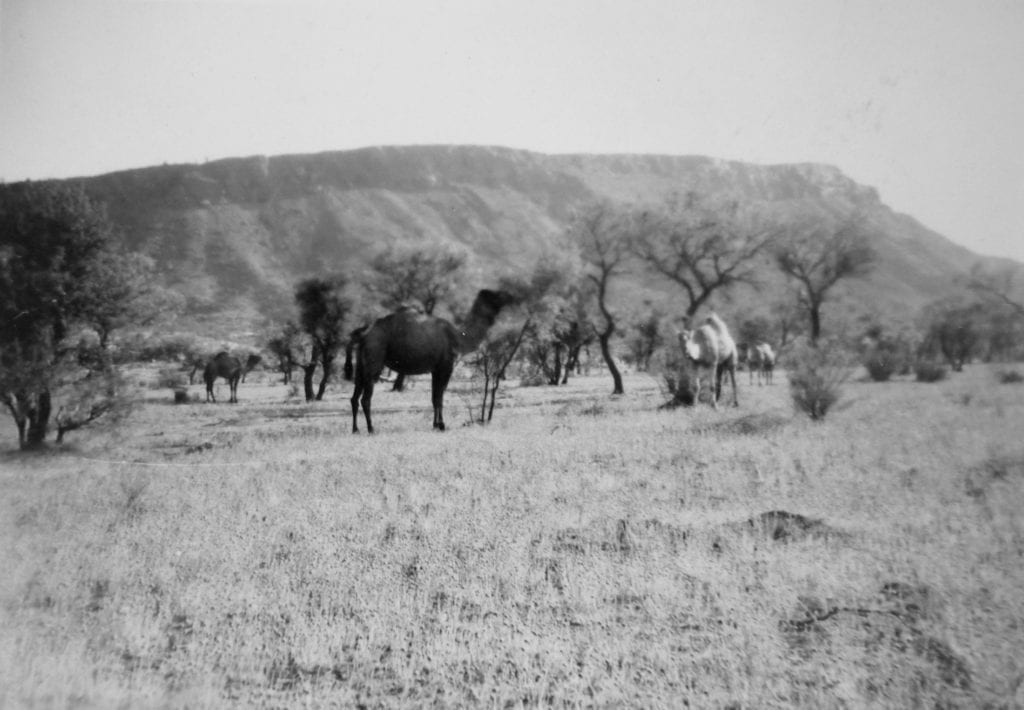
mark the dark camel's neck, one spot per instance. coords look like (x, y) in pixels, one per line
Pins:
(474, 329)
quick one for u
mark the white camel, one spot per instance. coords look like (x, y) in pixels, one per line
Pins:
(761, 359)
(711, 347)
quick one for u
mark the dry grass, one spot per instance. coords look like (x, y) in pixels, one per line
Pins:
(579, 551)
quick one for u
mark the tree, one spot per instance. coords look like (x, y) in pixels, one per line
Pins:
(557, 299)
(996, 286)
(537, 297)
(421, 274)
(284, 348)
(600, 232)
(953, 328)
(55, 284)
(323, 308)
(700, 246)
(492, 358)
(645, 337)
(1004, 312)
(816, 256)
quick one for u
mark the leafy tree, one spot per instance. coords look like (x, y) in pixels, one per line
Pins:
(954, 329)
(755, 329)
(561, 325)
(323, 308)
(425, 275)
(56, 283)
(283, 347)
(601, 234)
(818, 254)
(702, 247)
(645, 336)
(539, 298)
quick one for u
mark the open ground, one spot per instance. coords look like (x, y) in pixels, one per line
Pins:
(580, 550)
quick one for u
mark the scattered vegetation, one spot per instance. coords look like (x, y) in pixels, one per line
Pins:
(926, 370)
(1010, 377)
(816, 376)
(558, 557)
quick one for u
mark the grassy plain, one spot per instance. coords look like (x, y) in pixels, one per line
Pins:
(579, 551)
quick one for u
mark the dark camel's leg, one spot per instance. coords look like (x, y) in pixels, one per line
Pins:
(438, 383)
(233, 382)
(365, 399)
(355, 404)
(209, 390)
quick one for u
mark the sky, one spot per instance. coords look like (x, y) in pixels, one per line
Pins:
(921, 99)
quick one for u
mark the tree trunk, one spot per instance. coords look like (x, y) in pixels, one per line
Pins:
(606, 353)
(815, 311)
(307, 381)
(328, 367)
(556, 373)
(38, 422)
(494, 396)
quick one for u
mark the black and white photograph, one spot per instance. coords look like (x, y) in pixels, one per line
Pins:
(511, 354)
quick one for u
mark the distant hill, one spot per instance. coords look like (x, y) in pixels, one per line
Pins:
(235, 235)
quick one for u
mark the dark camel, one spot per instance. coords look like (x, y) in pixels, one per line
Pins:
(411, 343)
(230, 368)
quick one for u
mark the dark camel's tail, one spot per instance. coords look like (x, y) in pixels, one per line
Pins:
(354, 338)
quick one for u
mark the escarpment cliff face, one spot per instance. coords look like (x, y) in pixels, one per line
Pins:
(236, 234)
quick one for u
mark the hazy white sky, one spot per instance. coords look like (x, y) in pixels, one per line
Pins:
(923, 99)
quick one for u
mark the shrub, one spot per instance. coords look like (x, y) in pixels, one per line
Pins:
(929, 371)
(1010, 377)
(816, 376)
(677, 377)
(881, 365)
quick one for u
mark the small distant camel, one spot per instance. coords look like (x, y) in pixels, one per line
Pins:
(230, 368)
(761, 360)
(412, 343)
(710, 346)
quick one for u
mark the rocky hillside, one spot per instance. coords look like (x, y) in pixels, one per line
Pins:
(235, 235)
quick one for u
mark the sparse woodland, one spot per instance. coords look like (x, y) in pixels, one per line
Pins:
(846, 536)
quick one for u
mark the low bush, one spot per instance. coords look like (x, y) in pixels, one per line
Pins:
(930, 371)
(880, 365)
(816, 375)
(1009, 377)
(676, 376)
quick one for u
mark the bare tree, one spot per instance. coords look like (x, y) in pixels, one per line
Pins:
(702, 247)
(601, 233)
(996, 286)
(818, 254)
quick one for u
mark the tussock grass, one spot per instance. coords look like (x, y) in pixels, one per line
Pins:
(580, 550)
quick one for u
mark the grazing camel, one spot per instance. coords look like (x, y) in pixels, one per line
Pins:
(230, 368)
(710, 346)
(761, 359)
(412, 343)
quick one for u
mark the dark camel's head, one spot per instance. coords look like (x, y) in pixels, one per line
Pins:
(489, 303)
